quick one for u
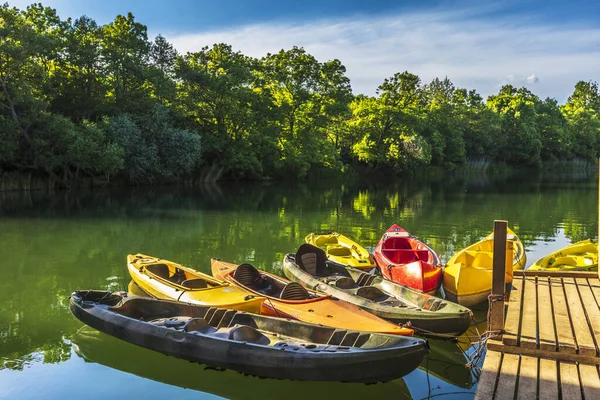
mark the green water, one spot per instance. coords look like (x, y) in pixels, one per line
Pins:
(52, 245)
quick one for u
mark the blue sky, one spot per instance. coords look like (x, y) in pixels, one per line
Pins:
(545, 45)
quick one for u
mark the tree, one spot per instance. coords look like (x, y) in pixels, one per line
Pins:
(390, 125)
(125, 51)
(519, 142)
(308, 96)
(582, 111)
(554, 131)
(444, 123)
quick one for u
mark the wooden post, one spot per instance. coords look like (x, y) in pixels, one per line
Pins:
(498, 274)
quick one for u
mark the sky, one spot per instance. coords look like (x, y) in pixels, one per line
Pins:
(546, 46)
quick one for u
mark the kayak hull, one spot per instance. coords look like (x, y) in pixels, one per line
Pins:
(317, 309)
(166, 280)
(468, 273)
(248, 343)
(580, 256)
(388, 300)
(342, 250)
(406, 260)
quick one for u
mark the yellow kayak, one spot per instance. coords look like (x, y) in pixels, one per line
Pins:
(468, 274)
(167, 280)
(342, 250)
(580, 256)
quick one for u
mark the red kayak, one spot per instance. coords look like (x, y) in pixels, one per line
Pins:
(405, 260)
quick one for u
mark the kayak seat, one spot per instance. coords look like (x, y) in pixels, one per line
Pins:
(338, 250)
(345, 283)
(163, 271)
(397, 243)
(405, 256)
(196, 283)
(401, 256)
(365, 279)
(372, 293)
(246, 274)
(311, 259)
(323, 241)
(198, 325)
(160, 270)
(294, 291)
(481, 259)
(245, 333)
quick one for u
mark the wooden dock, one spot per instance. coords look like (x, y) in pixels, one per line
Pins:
(550, 344)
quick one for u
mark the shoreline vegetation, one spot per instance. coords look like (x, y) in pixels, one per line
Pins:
(86, 104)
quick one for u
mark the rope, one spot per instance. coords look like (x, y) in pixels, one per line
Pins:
(475, 357)
(427, 372)
(440, 335)
(274, 308)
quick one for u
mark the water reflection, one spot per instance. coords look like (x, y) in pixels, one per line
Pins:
(98, 347)
(53, 244)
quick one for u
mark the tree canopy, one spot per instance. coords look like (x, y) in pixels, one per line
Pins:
(105, 101)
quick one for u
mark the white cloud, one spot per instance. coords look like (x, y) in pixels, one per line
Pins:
(474, 53)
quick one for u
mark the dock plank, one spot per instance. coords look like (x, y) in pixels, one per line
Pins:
(528, 334)
(508, 377)
(489, 375)
(585, 342)
(513, 317)
(570, 387)
(590, 381)
(548, 380)
(556, 274)
(564, 333)
(547, 334)
(591, 309)
(528, 378)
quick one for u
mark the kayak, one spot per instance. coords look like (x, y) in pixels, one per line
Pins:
(404, 259)
(249, 343)
(468, 273)
(342, 250)
(94, 346)
(287, 299)
(580, 256)
(167, 280)
(386, 299)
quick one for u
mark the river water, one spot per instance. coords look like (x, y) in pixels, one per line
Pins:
(51, 245)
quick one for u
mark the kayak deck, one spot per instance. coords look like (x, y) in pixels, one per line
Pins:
(386, 299)
(249, 343)
(291, 300)
(468, 274)
(580, 256)
(342, 250)
(167, 280)
(404, 259)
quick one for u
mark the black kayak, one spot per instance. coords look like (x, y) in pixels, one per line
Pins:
(428, 315)
(252, 344)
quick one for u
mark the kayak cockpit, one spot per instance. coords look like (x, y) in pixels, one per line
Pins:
(178, 276)
(313, 261)
(268, 285)
(231, 324)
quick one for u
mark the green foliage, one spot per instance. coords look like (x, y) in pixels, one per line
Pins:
(9, 138)
(519, 142)
(554, 131)
(92, 153)
(140, 158)
(153, 148)
(582, 112)
(82, 99)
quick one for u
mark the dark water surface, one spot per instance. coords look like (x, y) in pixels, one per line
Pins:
(51, 245)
